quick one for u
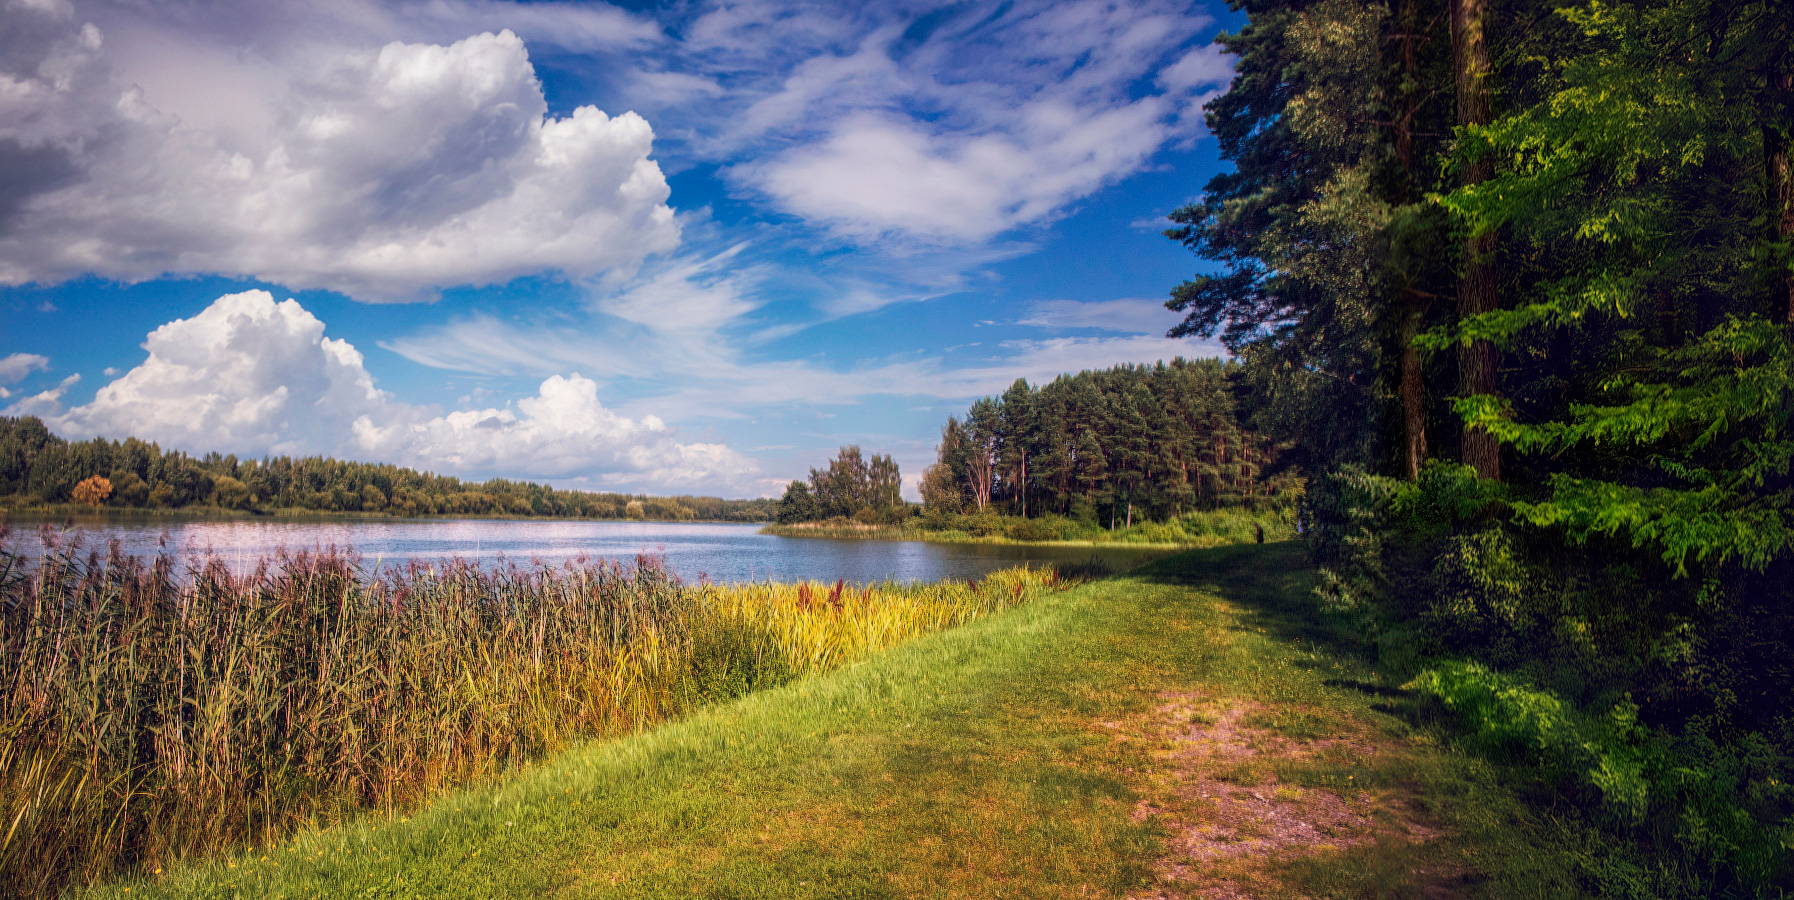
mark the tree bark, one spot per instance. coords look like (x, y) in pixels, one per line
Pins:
(1477, 285)
(1413, 391)
(1413, 382)
(1780, 178)
(1023, 488)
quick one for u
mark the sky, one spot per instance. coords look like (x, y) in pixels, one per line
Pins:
(664, 248)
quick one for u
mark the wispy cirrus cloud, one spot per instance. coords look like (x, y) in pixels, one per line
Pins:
(1143, 316)
(705, 378)
(945, 125)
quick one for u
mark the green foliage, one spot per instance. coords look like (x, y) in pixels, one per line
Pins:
(1042, 529)
(1687, 793)
(38, 468)
(1116, 446)
(1198, 528)
(1482, 591)
(1501, 713)
(850, 487)
(1714, 430)
(1634, 180)
(798, 504)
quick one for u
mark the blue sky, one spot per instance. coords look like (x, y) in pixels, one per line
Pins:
(662, 247)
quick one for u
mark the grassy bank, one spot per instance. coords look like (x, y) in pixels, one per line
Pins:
(148, 715)
(1153, 735)
(1200, 529)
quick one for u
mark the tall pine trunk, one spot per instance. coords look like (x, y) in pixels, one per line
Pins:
(1412, 387)
(1413, 392)
(1779, 174)
(1476, 287)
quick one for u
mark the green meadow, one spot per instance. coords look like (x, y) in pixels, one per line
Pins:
(1191, 728)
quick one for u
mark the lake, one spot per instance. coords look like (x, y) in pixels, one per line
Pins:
(723, 553)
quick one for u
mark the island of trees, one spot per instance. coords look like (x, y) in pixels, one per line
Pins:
(40, 470)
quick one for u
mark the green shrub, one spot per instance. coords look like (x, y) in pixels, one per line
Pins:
(984, 523)
(1726, 805)
(1033, 530)
(1483, 594)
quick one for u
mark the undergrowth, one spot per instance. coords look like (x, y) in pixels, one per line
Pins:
(1651, 704)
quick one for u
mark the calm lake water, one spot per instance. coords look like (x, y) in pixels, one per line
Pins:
(724, 553)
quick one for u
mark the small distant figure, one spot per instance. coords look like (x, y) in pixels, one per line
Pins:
(1259, 530)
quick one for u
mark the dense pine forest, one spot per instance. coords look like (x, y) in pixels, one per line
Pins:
(1113, 446)
(39, 469)
(1137, 453)
(1511, 283)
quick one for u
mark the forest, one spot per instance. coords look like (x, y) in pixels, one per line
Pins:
(1131, 454)
(1112, 446)
(1512, 283)
(38, 469)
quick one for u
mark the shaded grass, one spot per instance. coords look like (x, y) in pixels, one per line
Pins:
(970, 763)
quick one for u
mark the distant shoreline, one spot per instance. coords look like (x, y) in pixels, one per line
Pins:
(74, 511)
(897, 533)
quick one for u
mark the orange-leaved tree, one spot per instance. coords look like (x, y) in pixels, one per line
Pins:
(93, 491)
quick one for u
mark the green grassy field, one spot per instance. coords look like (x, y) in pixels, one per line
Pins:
(1054, 750)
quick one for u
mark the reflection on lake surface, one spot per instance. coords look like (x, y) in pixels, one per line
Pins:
(723, 553)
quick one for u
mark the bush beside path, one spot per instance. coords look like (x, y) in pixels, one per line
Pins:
(1193, 728)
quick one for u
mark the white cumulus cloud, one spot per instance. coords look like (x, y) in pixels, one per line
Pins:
(383, 172)
(251, 375)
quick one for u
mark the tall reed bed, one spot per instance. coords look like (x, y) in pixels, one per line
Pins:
(149, 713)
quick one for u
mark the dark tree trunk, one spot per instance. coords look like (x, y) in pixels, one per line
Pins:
(1780, 178)
(1413, 391)
(1476, 287)
(1413, 309)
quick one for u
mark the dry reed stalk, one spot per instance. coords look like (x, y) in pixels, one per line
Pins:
(146, 717)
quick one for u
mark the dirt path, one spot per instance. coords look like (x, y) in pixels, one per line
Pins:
(1234, 817)
(1278, 774)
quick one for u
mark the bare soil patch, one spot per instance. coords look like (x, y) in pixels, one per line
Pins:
(1231, 820)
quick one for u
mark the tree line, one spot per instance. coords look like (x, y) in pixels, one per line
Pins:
(1513, 280)
(1110, 446)
(37, 467)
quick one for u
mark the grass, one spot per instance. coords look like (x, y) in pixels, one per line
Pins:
(147, 717)
(1031, 753)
